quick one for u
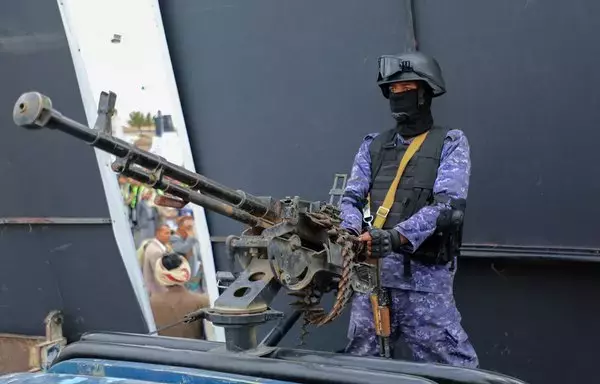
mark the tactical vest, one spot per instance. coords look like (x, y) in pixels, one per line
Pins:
(415, 189)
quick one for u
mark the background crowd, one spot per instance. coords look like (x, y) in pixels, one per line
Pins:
(169, 258)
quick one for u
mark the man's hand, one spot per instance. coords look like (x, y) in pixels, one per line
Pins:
(380, 242)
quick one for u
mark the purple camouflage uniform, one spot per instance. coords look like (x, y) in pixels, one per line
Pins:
(423, 312)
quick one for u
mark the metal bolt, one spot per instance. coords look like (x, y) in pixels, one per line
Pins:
(295, 243)
(287, 279)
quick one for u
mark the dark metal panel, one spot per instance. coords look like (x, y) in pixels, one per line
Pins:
(76, 268)
(42, 170)
(522, 79)
(530, 320)
(277, 97)
(278, 94)
(73, 269)
(281, 88)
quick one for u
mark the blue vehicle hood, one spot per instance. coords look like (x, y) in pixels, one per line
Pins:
(54, 378)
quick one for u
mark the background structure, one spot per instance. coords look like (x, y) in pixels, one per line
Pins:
(72, 262)
(277, 96)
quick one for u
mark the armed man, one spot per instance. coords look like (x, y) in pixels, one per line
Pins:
(414, 178)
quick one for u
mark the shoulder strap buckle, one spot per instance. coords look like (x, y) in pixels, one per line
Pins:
(382, 212)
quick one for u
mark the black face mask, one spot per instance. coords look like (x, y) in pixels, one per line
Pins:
(412, 116)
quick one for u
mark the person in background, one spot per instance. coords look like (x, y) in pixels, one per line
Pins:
(154, 250)
(128, 193)
(147, 218)
(134, 188)
(185, 243)
(184, 239)
(171, 304)
(168, 216)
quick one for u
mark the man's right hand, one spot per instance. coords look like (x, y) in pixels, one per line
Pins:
(380, 242)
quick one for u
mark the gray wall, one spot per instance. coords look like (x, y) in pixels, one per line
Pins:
(74, 268)
(280, 93)
(522, 78)
(277, 96)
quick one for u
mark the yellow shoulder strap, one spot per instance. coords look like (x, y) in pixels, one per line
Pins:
(384, 210)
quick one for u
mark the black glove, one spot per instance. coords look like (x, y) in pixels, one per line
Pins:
(384, 242)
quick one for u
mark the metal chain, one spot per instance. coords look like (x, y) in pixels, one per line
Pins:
(310, 297)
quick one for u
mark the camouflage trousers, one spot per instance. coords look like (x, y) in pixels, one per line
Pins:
(429, 323)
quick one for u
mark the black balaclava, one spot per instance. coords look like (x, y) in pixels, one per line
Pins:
(412, 111)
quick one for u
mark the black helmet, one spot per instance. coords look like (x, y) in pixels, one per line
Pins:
(409, 67)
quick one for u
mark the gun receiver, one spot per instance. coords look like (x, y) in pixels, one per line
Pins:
(292, 243)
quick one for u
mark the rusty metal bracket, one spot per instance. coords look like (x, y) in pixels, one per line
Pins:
(26, 353)
(106, 110)
(54, 220)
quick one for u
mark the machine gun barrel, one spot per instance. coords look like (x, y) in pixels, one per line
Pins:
(191, 196)
(34, 110)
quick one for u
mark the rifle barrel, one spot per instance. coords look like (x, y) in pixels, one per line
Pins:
(34, 110)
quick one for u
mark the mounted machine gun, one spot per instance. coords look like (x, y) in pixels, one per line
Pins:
(290, 243)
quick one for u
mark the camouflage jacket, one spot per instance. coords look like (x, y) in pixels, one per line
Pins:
(452, 180)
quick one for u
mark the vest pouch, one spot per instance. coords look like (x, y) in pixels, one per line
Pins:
(438, 249)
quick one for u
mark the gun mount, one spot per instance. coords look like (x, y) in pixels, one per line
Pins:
(290, 243)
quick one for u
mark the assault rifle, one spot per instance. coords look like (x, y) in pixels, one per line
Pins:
(290, 243)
